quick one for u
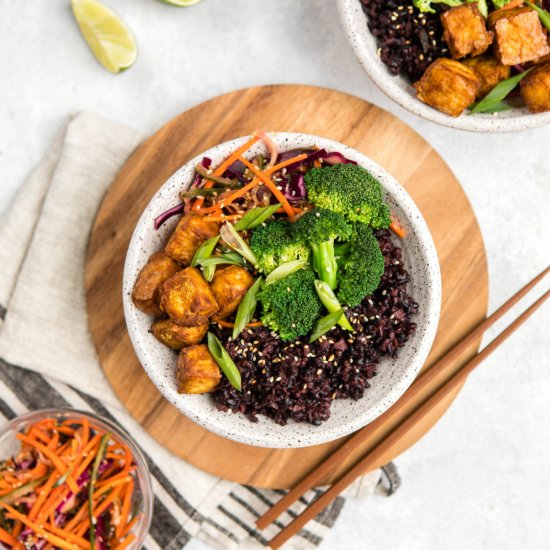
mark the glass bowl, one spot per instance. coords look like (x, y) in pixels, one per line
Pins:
(10, 445)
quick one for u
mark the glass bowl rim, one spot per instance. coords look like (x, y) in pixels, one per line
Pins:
(142, 472)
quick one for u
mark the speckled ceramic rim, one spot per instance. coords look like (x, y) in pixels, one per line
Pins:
(347, 416)
(397, 88)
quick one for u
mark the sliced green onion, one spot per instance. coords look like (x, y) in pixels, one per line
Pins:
(217, 260)
(284, 270)
(247, 307)
(497, 94)
(23, 490)
(329, 300)
(224, 361)
(324, 324)
(543, 14)
(236, 242)
(256, 216)
(233, 257)
(209, 175)
(203, 252)
(93, 476)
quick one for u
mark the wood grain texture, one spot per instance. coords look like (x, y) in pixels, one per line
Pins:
(374, 132)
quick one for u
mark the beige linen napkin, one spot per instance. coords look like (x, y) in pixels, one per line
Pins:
(48, 360)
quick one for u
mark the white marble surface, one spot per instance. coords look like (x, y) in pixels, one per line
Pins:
(480, 479)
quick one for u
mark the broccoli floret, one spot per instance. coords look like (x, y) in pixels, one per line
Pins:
(319, 228)
(274, 244)
(349, 190)
(361, 269)
(425, 5)
(291, 306)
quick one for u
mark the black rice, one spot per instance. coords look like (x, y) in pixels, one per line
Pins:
(297, 380)
(408, 40)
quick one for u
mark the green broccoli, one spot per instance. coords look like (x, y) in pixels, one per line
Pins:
(273, 244)
(349, 190)
(291, 306)
(425, 6)
(361, 269)
(319, 228)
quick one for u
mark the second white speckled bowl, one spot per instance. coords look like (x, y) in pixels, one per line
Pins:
(400, 90)
(394, 375)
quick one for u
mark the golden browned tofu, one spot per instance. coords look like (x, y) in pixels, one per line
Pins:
(198, 372)
(176, 336)
(535, 88)
(519, 35)
(448, 85)
(146, 293)
(229, 286)
(490, 70)
(192, 230)
(187, 298)
(465, 31)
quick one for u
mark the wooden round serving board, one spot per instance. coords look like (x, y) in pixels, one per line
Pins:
(353, 121)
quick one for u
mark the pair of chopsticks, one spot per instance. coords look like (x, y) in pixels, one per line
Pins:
(375, 454)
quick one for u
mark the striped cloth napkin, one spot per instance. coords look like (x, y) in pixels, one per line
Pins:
(47, 358)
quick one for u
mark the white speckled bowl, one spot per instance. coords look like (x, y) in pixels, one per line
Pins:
(400, 90)
(394, 376)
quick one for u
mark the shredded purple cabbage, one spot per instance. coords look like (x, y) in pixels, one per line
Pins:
(179, 209)
(174, 211)
(336, 158)
(295, 188)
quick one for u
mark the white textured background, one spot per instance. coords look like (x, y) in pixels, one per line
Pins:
(481, 478)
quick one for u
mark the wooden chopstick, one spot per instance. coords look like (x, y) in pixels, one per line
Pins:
(401, 431)
(332, 462)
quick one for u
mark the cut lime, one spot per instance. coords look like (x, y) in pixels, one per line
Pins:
(108, 37)
(181, 3)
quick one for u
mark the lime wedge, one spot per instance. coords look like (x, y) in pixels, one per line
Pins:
(181, 3)
(108, 37)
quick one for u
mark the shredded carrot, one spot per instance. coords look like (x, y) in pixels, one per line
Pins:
(55, 498)
(225, 165)
(130, 526)
(124, 544)
(228, 324)
(38, 530)
(43, 493)
(106, 488)
(45, 451)
(98, 510)
(244, 190)
(69, 536)
(122, 474)
(126, 509)
(9, 539)
(317, 163)
(272, 187)
(285, 163)
(18, 527)
(395, 226)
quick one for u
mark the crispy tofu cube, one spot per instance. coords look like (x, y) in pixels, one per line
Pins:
(229, 286)
(519, 35)
(490, 70)
(146, 293)
(465, 31)
(449, 86)
(192, 230)
(197, 372)
(187, 298)
(175, 336)
(535, 88)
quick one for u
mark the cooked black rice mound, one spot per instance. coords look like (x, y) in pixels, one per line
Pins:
(408, 40)
(298, 380)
